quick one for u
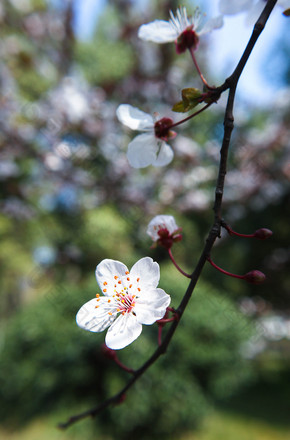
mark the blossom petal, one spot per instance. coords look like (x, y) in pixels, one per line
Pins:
(134, 118)
(142, 150)
(233, 7)
(164, 157)
(151, 306)
(105, 272)
(148, 271)
(123, 331)
(96, 319)
(213, 23)
(158, 31)
(163, 222)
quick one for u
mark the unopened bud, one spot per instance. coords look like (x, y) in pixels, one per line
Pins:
(263, 233)
(255, 277)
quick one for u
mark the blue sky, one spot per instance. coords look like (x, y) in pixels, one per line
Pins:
(227, 45)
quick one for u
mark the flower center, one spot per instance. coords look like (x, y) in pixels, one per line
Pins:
(125, 300)
(124, 296)
(162, 129)
(187, 39)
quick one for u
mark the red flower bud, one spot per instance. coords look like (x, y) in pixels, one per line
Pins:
(263, 233)
(255, 277)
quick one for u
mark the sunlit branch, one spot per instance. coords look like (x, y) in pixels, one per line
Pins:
(230, 84)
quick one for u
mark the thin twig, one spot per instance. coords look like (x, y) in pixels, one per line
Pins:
(214, 233)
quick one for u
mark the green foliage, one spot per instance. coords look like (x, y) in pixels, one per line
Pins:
(49, 363)
(190, 99)
(104, 61)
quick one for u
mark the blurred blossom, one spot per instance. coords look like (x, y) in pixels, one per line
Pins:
(147, 148)
(181, 28)
(71, 100)
(8, 169)
(17, 209)
(44, 255)
(53, 162)
(196, 200)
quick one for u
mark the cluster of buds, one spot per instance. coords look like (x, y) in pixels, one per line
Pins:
(164, 232)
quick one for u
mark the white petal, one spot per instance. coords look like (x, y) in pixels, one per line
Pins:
(148, 271)
(125, 330)
(142, 150)
(213, 23)
(229, 7)
(161, 221)
(164, 157)
(158, 31)
(134, 118)
(105, 272)
(152, 306)
(96, 319)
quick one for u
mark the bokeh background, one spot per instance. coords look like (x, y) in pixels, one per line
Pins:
(70, 199)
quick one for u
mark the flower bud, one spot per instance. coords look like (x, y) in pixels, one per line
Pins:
(255, 277)
(263, 233)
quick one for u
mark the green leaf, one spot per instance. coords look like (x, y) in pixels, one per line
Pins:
(190, 99)
(179, 107)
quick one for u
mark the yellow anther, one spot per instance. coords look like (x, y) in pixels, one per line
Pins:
(96, 307)
(97, 295)
(109, 300)
(122, 300)
(138, 279)
(127, 272)
(118, 310)
(104, 290)
(128, 279)
(139, 289)
(119, 282)
(110, 313)
(130, 287)
(105, 283)
(123, 313)
(116, 277)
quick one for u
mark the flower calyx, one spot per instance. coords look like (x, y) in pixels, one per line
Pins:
(162, 129)
(188, 39)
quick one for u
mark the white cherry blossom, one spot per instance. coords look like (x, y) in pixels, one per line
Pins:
(183, 29)
(130, 299)
(164, 230)
(148, 148)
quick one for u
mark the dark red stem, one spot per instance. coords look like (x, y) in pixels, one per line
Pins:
(224, 271)
(176, 265)
(191, 51)
(190, 116)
